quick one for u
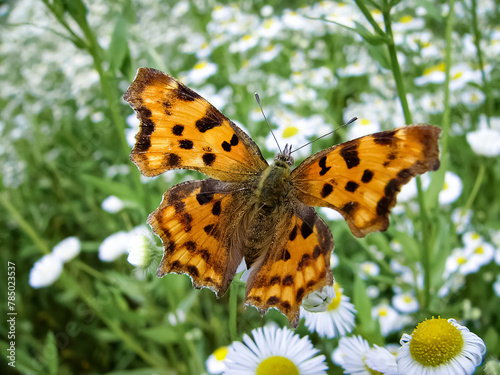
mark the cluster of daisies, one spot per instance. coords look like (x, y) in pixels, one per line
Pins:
(436, 346)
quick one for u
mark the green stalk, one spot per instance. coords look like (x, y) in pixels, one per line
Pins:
(476, 187)
(477, 42)
(23, 224)
(233, 306)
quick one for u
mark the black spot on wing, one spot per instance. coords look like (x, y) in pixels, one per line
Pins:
(367, 176)
(351, 186)
(234, 140)
(208, 159)
(186, 144)
(204, 198)
(178, 129)
(193, 270)
(293, 234)
(272, 300)
(322, 165)
(287, 280)
(326, 190)
(172, 160)
(211, 120)
(184, 93)
(349, 152)
(308, 222)
(383, 206)
(226, 146)
(216, 209)
(167, 106)
(349, 207)
(384, 138)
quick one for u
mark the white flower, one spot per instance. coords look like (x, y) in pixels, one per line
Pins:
(334, 260)
(368, 269)
(363, 126)
(440, 346)
(407, 23)
(216, 361)
(337, 320)
(434, 74)
(140, 250)
(114, 246)
(351, 355)
(245, 43)
(67, 249)
(331, 214)
(452, 188)
(200, 72)
(485, 141)
(269, 52)
(45, 271)
(276, 351)
(388, 318)
(461, 219)
(473, 97)
(405, 302)
(372, 291)
(461, 74)
(112, 204)
(381, 360)
(481, 254)
(472, 239)
(496, 286)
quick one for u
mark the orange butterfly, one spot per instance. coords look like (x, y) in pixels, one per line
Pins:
(262, 213)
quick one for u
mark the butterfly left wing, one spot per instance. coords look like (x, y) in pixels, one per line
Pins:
(296, 264)
(361, 178)
(180, 129)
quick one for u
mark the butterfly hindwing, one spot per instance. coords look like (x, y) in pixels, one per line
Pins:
(361, 178)
(196, 222)
(297, 263)
(180, 129)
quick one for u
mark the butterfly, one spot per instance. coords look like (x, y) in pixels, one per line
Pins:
(248, 209)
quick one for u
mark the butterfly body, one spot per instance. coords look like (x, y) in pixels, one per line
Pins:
(262, 214)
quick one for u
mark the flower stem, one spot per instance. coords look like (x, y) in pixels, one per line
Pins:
(477, 185)
(233, 305)
(23, 224)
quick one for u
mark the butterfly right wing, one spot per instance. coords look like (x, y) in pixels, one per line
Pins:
(196, 222)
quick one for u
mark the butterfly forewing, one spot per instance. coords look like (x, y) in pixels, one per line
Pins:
(180, 129)
(361, 178)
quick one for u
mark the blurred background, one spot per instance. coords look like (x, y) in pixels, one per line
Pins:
(74, 208)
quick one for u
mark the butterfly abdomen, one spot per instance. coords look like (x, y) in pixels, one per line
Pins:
(273, 184)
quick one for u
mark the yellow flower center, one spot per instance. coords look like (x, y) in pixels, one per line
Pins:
(445, 186)
(407, 299)
(382, 311)
(435, 68)
(376, 12)
(269, 48)
(220, 353)
(268, 23)
(457, 75)
(435, 342)
(336, 300)
(277, 365)
(475, 236)
(201, 65)
(246, 38)
(479, 250)
(365, 121)
(474, 98)
(290, 131)
(461, 260)
(406, 19)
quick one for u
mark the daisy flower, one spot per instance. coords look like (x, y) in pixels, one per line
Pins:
(338, 317)
(141, 250)
(368, 269)
(200, 72)
(351, 354)
(434, 74)
(67, 249)
(496, 286)
(215, 363)
(45, 271)
(405, 302)
(381, 360)
(452, 188)
(484, 141)
(440, 346)
(112, 204)
(276, 351)
(389, 319)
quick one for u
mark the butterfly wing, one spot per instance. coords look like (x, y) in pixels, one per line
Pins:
(361, 178)
(180, 129)
(296, 264)
(197, 221)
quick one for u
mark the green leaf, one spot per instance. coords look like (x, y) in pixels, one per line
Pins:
(410, 246)
(143, 371)
(50, 354)
(435, 187)
(118, 189)
(118, 48)
(380, 54)
(77, 10)
(371, 38)
(363, 305)
(161, 334)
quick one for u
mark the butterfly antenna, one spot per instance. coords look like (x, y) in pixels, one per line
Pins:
(258, 102)
(324, 135)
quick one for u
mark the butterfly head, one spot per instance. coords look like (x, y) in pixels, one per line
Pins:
(285, 156)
